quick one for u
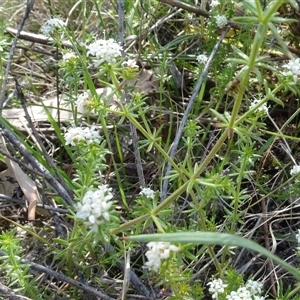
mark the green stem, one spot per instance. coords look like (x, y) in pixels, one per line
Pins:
(178, 192)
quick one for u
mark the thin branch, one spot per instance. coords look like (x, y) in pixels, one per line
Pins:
(64, 278)
(21, 97)
(37, 165)
(186, 114)
(133, 130)
(188, 7)
(11, 53)
(36, 38)
(11, 295)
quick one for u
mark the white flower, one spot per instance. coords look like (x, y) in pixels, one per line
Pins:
(221, 21)
(298, 236)
(147, 192)
(104, 51)
(259, 298)
(67, 56)
(254, 287)
(51, 25)
(244, 294)
(157, 252)
(241, 294)
(233, 296)
(94, 207)
(214, 3)
(293, 67)
(202, 58)
(216, 287)
(295, 170)
(83, 101)
(264, 108)
(130, 63)
(298, 239)
(77, 134)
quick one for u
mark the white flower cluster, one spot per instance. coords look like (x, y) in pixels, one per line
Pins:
(51, 26)
(213, 4)
(295, 170)
(104, 51)
(94, 207)
(251, 291)
(157, 252)
(67, 56)
(298, 239)
(216, 287)
(83, 101)
(264, 108)
(202, 59)
(254, 287)
(221, 21)
(77, 134)
(147, 192)
(293, 68)
(130, 63)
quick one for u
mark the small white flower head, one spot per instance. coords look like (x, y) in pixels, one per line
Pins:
(298, 239)
(213, 4)
(69, 56)
(293, 68)
(216, 287)
(254, 287)
(244, 294)
(76, 134)
(149, 193)
(104, 51)
(263, 108)
(130, 63)
(258, 297)
(157, 252)
(295, 170)
(221, 21)
(94, 207)
(233, 296)
(298, 236)
(83, 102)
(51, 26)
(202, 59)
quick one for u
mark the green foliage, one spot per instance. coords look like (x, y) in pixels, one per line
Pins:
(217, 181)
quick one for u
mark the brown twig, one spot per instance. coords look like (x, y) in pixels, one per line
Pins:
(37, 165)
(267, 245)
(64, 278)
(191, 8)
(35, 38)
(11, 53)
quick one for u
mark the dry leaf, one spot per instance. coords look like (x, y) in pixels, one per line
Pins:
(25, 182)
(146, 82)
(16, 116)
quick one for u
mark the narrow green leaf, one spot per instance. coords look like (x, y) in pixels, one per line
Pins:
(211, 238)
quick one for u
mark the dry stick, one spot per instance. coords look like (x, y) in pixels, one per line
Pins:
(186, 114)
(36, 38)
(63, 278)
(22, 202)
(38, 166)
(140, 287)
(127, 98)
(188, 7)
(11, 295)
(11, 53)
(21, 97)
(267, 245)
